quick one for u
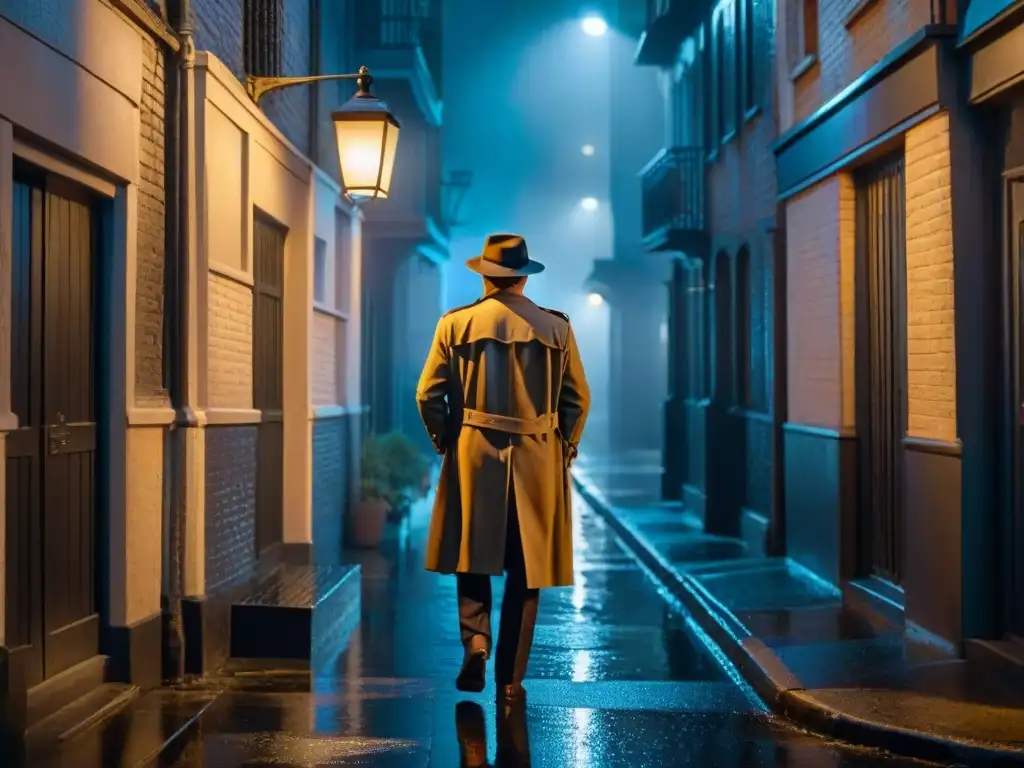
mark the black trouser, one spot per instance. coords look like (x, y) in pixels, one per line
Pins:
(518, 607)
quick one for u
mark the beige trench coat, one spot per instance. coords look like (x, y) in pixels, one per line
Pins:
(504, 398)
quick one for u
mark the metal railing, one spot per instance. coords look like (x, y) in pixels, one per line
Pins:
(673, 191)
(402, 24)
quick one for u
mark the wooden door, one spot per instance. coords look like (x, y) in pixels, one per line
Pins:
(51, 459)
(268, 378)
(882, 366)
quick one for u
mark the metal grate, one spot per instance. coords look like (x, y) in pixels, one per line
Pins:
(881, 255)
(262, 29)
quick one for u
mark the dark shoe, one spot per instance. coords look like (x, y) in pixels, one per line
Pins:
(473, 674)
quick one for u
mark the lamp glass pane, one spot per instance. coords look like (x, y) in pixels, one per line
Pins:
(359, 153)
(388, 161)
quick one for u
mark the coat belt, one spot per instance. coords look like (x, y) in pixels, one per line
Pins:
(543, 424)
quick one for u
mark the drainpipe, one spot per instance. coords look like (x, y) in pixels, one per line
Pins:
(177, 324)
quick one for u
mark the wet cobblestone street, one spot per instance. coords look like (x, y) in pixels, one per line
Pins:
(618, 678)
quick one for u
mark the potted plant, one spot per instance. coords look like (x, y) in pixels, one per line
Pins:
(392, 476)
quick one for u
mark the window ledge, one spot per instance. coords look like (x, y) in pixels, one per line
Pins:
(751, 113)
(711, 156)
(858, 10)
(805, 65)
(326, 309)
(240, 276)
(728, 137)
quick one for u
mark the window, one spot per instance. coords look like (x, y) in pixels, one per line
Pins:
(802, 26)
(751, 51)
(744, 349)
(726, 85)
(712, 91)
(320, 271)
(343, 247)
(262, 30)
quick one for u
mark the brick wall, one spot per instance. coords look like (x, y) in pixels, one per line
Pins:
(745, 170)
(229, 369)
(149, 287)
(815, 305)
(219, 30)
(931, 351)
(324, 374)
(333, 476)
(847, 299)
(846, 51)
(230, 503)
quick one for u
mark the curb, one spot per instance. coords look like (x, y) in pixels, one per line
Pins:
(769, 677)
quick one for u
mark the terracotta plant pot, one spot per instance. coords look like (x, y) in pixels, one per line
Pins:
(368, 521)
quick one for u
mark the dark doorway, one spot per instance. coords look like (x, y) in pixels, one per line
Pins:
(51, 460)
(1013, 545)
(722, 455)
(881, 364)
(268, 378)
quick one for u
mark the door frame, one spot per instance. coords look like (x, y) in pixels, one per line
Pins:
(1009, 561)
(114, 272)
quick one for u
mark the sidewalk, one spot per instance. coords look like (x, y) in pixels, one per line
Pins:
(811, 660)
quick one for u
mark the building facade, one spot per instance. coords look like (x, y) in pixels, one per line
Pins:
(709, 206)
(82, 261)
(191, 256)
(631, 282)
(986, 163)
(893, 206)
(268, 376)
(406, 238)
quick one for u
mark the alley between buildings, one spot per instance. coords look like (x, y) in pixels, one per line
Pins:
(619, 677)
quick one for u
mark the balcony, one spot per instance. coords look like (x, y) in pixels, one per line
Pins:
(669, 23)
(400, 40)
(673, 201)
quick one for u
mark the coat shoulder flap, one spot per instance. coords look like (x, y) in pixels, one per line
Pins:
(556, 313)
(455, 310)
(507, 322)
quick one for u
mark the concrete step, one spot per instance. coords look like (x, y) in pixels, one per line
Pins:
(81, 714)
(61, 690)
(296, 612)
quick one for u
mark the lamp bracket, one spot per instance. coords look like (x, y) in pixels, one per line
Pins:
(257, 86)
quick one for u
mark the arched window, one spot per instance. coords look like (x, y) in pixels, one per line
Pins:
(722, 334)
(744, 379)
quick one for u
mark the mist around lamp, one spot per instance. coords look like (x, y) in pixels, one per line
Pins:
(367, 135)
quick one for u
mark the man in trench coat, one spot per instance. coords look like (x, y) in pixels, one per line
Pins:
(504, 399)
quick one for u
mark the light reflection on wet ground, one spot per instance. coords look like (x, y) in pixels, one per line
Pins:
(617, 678)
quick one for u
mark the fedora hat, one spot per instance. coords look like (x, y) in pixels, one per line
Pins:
(504, 256)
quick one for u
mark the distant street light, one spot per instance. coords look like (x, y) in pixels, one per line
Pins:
(588, 203)
(595, 299)
(594, 26)
(367, 133)
(588, 150)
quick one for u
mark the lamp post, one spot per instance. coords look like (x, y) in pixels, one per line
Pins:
(366, 131)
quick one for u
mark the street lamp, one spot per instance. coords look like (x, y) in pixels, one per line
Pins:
(595, 299)
(366, 131)
(594, 26)
(589, 204)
